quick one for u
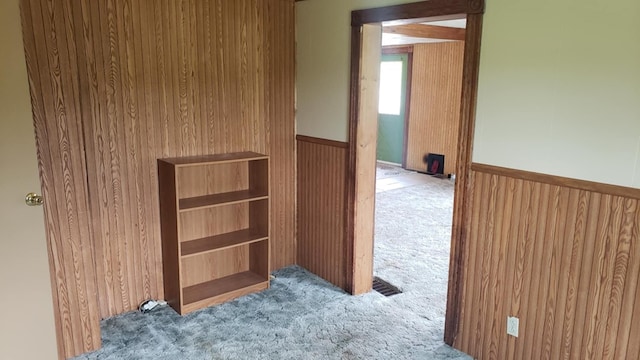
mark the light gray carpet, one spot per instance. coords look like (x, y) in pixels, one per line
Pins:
(303, 317)
(387, 170)
(412, 243)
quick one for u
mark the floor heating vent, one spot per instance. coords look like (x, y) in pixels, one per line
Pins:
(384, 287)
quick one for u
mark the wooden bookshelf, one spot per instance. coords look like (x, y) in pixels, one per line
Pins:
(212, 208)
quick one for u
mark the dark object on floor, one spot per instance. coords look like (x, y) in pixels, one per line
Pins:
(384, 287)
(435, 163)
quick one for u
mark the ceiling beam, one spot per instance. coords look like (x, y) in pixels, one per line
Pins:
(426, 31)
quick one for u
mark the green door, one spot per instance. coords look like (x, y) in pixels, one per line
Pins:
(391, 108)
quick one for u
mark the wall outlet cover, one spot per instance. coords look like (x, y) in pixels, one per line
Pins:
(513, 323)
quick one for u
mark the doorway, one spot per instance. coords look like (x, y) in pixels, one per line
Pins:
(414, 210)
(392, 108)
(366, 34)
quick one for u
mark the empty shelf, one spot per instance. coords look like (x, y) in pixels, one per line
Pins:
(222, 241)
(227, 198)
(217, 158)
(222, 286)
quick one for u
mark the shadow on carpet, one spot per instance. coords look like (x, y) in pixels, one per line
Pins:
(300, 317)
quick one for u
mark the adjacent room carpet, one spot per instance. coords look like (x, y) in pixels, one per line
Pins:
(384, 171)
(303, 317)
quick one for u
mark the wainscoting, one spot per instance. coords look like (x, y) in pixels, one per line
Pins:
(278, 29)
(116, 85)
(563, 256)
(321, 210)
(434, 112)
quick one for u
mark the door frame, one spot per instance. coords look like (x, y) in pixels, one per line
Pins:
(400, 50)
(403, 50)
(359, 190)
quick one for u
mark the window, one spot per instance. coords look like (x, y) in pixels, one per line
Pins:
(390, 87)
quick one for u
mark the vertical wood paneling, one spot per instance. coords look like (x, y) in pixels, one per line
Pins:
(116, 85)
(585, 274)
(461, 210)
(562, 258)
(49, 52)
(629, 299)
(279, 66)
(434, 115)
(321, 212)
(523, 263)
(511, 229)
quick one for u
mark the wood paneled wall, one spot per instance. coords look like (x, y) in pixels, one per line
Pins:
(61, 162)
(561, 255)
(321, 212)
(279, 54)
(117, 84)
(434, 112)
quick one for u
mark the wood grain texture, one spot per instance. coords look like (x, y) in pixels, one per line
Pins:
(414, 13)
(214, 227)
(169, 228)
(364, 139)
(426, 31)
(463, 189)
(206, 267)
(222, 290)
(436, 91)
(279, 93)
(564, 260)
(352, 150)
(116, 85)
(321, 213)
(327, 142)
(417, 11)
(398, 49)
(50, 49)
(622, 191)
(212, 179)
(213, 221)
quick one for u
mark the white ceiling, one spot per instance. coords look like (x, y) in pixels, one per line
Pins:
(397, 39)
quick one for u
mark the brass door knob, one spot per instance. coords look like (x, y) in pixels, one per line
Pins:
(33, 199)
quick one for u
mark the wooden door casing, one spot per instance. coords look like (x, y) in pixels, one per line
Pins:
(358, 181)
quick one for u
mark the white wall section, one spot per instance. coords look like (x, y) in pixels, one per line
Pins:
(27, 329)
(559, 89)
(323, 52)
(636, 178)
